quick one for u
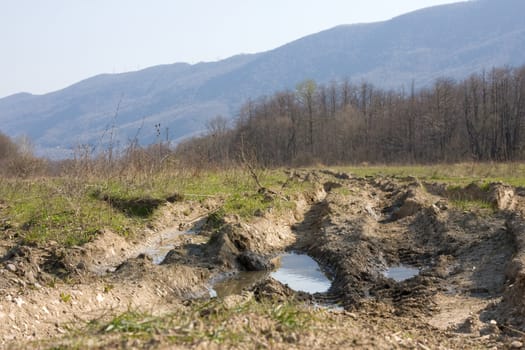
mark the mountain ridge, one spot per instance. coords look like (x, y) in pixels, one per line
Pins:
(451, 41)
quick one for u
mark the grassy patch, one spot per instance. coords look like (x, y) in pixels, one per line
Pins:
(132, 322)
(460, 174)
(72, 211)
(239, 190)
(136, 207)
(247, 205)
(57, 210)
(468, 205)
(343, 190)
(207, 321)
(289, 316)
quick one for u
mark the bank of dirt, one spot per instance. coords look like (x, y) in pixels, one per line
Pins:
(467, 291)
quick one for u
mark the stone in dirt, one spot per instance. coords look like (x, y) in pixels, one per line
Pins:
(11, 267)
(273, 289)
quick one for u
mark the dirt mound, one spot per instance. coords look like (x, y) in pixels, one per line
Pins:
(512, 308)
(499, 195)
(135, 268)
(251, 261)
(233, 240)
(270, 288)
(175, 281)
(502, 197)
(32, 266)
(233, 237)
(409, 200)
(107, 250)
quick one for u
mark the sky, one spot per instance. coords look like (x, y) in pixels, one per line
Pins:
(48, 45)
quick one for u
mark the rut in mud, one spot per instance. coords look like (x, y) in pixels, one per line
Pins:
(458, 262)
(458, 269)
(367, 226)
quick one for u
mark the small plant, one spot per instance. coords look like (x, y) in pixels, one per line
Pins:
(52, 282)
(65, 297)
(108, 288)
(467, 205)
(215, 220)
(132, 322)
(289, 316)
(485, 187)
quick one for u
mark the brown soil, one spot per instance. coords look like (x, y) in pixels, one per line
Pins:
(468, 293)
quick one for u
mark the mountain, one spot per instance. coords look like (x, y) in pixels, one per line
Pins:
(450, 40)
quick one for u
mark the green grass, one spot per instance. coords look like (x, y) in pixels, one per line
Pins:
(202, 321)
(133, 322)
(59, 210)
(73, 211)
(343, 190)
(459, 174)
(468, 205)
(66, 298)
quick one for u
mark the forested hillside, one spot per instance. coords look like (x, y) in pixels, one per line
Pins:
(452, 40)
(480, 118)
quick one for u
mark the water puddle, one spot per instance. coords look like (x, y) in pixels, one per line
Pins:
(301, 273)
(401, 273)
(298, 271)
(237, 283)
(161, 246)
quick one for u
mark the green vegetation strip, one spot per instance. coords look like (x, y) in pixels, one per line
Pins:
(72, 211)
(460, 174)
(206, 321)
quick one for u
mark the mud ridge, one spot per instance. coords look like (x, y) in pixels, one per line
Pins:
(463, 258)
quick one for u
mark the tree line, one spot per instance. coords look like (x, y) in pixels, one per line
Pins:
(480, 118)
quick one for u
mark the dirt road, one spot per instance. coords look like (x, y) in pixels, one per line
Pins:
(415, 265)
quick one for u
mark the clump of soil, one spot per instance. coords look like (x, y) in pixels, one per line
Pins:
(251, 261)
(499, 195)
(270, 288)
(511, 311)
(31, 266)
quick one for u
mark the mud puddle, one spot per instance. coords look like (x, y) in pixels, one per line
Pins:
(236, 283)
(401, 273)
(301, 273)
(168, 240)
(298, 271)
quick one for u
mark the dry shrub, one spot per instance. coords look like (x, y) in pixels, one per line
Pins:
(133, 162)
(7, 147)
(17, 159)
(24, 166)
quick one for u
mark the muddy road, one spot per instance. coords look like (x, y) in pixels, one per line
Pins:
(400, 257)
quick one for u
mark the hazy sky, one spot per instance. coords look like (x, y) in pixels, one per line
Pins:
(48, 45)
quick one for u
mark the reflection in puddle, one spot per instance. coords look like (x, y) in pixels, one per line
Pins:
(237, 283)
(401, 273)
(298, 271)
(301, 273)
